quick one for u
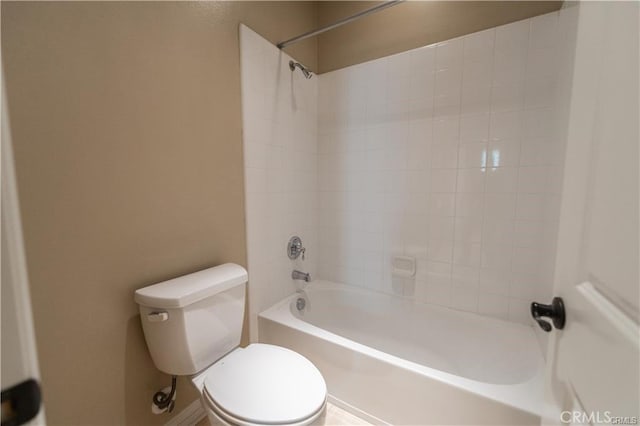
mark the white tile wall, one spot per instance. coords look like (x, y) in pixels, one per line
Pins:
(449, 153)
(279, 110)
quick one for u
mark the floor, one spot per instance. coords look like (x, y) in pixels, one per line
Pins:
(335, 417)
(338, 417)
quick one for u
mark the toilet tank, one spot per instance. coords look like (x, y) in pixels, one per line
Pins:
(191, 321)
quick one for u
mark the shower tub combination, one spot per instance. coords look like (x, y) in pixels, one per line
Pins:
(391, 360)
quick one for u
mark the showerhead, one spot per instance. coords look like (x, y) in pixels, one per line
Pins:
(307, 74)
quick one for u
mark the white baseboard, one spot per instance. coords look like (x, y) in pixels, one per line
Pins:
(189, 416)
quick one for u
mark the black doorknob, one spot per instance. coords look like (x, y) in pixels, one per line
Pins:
(554, 311)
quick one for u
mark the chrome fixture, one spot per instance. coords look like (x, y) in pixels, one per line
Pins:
(300, 303)
(295, 249)
(298, 275)
(305, 71)
(339, 23)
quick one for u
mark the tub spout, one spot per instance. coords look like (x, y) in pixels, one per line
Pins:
(297, 275)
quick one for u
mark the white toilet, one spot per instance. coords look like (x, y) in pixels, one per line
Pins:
(192, 325)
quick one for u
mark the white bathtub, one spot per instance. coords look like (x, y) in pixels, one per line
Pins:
(399, 362)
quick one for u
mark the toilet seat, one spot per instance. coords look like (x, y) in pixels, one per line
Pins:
(228, 419)
(265, 385)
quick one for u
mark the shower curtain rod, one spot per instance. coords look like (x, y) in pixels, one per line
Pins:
(339, 23)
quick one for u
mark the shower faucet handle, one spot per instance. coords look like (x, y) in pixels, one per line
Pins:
(295, 249)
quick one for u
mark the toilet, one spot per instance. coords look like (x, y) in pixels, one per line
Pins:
(192, 325)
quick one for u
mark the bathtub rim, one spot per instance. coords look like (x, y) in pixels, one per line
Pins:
(513, 395)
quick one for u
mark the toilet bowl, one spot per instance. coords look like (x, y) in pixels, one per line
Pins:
(262, 385)
(193, 324)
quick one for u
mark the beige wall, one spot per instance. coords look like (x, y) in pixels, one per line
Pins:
(409, 25)
(127, 131)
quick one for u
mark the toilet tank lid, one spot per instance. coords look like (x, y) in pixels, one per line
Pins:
(191, 288)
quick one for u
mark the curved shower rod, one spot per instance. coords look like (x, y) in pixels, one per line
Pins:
(339, 23)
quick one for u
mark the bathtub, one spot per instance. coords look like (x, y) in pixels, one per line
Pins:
(390, 360)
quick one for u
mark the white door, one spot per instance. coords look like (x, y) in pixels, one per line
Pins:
(593, 363)
(20, 377)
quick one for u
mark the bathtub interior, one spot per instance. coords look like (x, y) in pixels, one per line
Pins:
(355, 351)
(461, 343)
